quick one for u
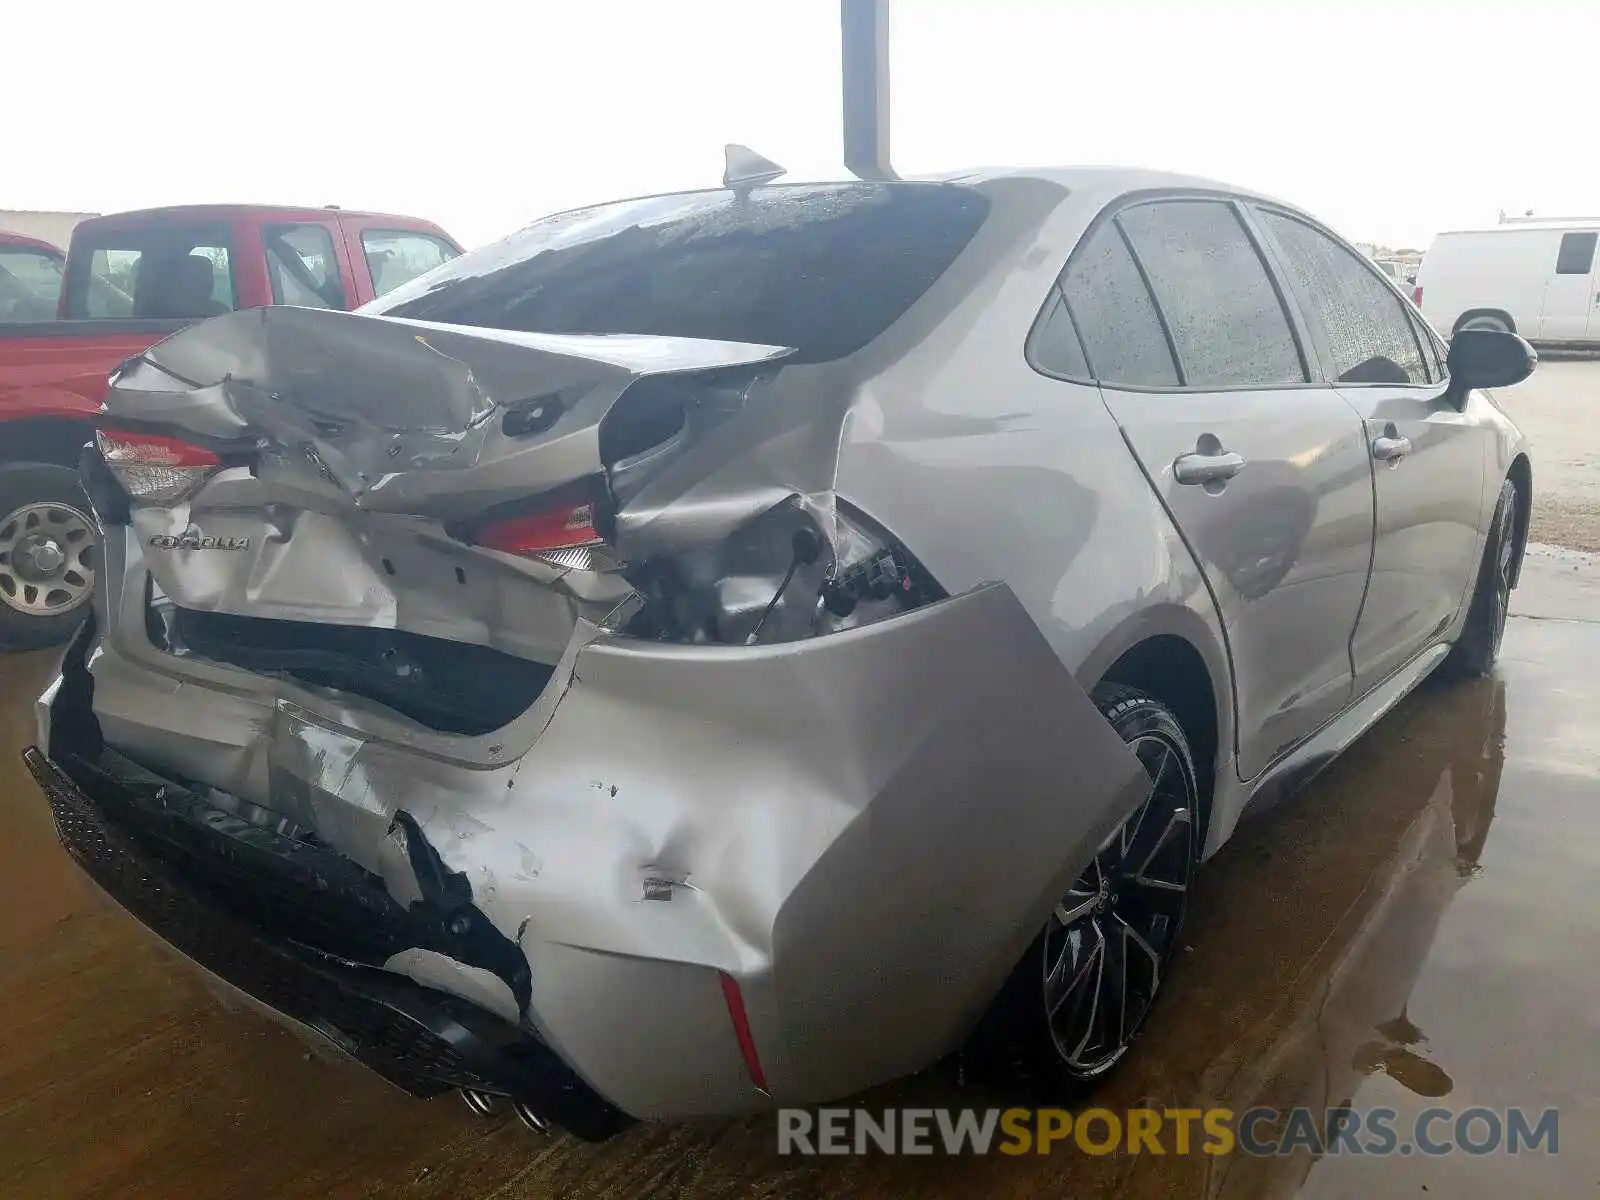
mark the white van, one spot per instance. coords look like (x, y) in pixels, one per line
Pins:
(1536, 278)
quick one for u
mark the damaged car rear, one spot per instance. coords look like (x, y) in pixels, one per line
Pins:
(680, 660)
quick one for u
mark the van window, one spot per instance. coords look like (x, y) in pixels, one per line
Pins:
(1227, 324)
(1576, 256)
(163, 272)
(303, 266)
(1122, 333)
(1367, 327)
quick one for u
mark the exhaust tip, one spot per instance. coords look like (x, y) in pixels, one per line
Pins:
(482, 1104)
(530, 1118)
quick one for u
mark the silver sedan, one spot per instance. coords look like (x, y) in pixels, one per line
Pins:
(729, 649)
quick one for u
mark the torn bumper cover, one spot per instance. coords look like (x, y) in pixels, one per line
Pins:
(860, 833)
(253, 907)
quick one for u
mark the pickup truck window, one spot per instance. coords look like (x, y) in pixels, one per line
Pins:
(395, 257)
(164, 272)
(30, 284)
(303, 266)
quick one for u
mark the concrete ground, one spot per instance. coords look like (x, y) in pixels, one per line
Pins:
(1414, 929)
(1559, 409)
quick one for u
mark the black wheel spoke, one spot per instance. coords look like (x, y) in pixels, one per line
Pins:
(1109, 936)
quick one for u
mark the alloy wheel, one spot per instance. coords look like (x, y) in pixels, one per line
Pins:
(1110, 938)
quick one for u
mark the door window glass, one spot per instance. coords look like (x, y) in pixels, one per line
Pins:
(1576, 256)
(303, 266)
(394, 257)
(1369, 334)
(30, 284)
(1122, 334)
(1227, 322)
(1432, 357)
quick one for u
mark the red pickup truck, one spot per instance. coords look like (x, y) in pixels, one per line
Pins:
(129, 280)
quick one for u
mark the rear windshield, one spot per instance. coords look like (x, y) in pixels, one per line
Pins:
(166, 271)
(824, 269)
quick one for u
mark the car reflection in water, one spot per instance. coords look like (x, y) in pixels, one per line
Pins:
(1346, 1017)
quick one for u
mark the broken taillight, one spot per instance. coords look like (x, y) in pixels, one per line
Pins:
(562, 535)
(154, 468)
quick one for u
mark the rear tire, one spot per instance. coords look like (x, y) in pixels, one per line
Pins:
(1072, 1007)
(1474, 654)
(48, 551)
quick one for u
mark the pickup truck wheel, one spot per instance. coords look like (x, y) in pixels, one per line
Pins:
(48, 548)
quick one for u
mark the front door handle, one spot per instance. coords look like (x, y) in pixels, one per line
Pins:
(1207, 468)
(1390, 447)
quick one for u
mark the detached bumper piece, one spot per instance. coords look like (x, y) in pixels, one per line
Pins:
(277, 918)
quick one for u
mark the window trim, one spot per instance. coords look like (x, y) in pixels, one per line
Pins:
(1299, 327)
(1324, 351)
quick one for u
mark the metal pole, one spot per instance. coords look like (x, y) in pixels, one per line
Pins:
(864, 44)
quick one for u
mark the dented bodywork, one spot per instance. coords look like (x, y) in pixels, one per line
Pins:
(797, 712)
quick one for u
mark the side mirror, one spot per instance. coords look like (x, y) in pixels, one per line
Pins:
(1489, 358)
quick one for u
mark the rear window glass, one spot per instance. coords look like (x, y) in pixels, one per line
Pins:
(165, 271)
(30, 284)
(824, 269)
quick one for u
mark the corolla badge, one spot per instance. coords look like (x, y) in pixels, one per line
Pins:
(193, 539)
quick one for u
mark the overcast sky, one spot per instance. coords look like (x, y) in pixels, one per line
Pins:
(1390, 120)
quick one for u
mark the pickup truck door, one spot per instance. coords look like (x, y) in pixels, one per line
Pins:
(1428, 457)
(1263, 470)
(307, 265)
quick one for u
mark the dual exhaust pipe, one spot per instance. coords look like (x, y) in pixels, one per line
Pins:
(485, 1104)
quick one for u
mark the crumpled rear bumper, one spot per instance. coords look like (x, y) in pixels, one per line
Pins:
(221, 892)
(842, 845)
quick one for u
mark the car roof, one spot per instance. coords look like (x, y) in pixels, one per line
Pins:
(1104, 178)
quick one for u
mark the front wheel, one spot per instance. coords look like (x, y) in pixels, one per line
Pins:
(1474, 654)
(1071, 1009)
(47, 555)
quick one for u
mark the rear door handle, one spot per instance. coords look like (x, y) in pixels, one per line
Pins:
(1390, 448)
(1207, 468)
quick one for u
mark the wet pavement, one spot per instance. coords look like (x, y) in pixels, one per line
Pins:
(1417, 928)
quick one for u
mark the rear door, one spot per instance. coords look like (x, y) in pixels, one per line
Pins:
(1570, 293)
(1428, 457)
(1264, 471)
(304, 266)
